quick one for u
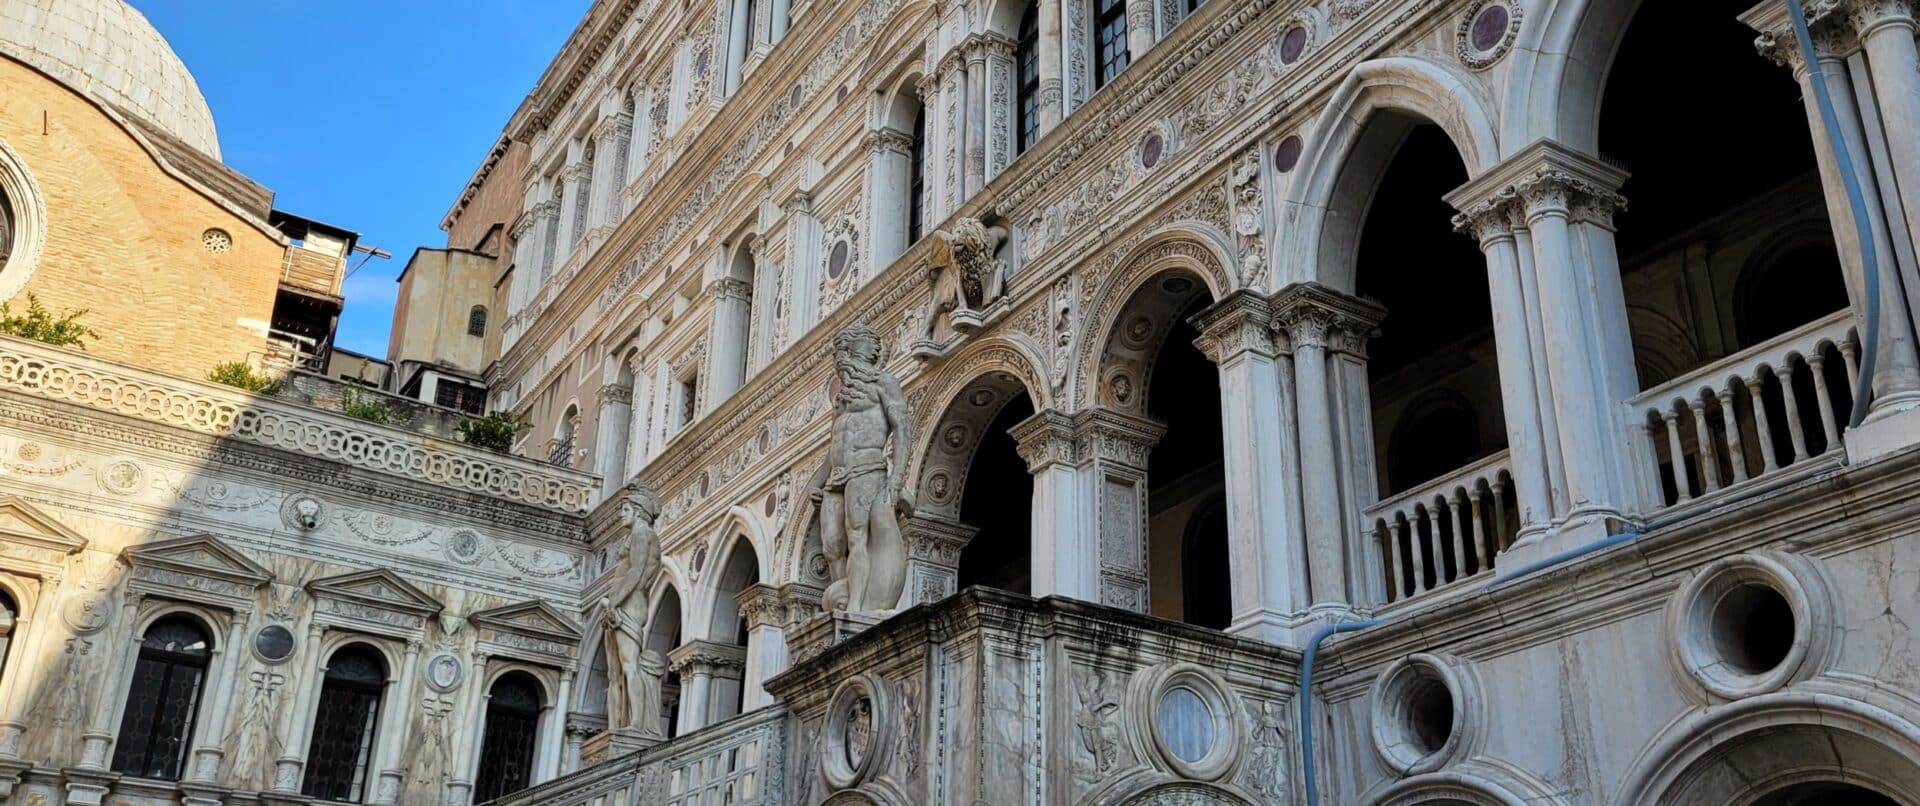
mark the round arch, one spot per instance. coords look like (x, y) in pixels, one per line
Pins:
(731, 573)
(1741, 750)
(1560, 64)
(999, 364)
(1190, 251)
(214, 622)
(1402, 90)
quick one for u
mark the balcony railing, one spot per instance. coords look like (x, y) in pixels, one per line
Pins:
(1751, 414)
(313, 271)
(738, 762)
(1446, 530)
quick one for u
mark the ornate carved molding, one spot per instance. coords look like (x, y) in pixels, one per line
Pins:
(1238, 324)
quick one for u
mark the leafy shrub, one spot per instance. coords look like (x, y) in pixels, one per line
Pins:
(237, 374)
(358, 404)
(41, 325)
(495, 432)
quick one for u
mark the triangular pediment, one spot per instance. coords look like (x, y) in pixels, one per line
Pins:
(532, 617)
(22, 522)
(376, 588)
(199, 555)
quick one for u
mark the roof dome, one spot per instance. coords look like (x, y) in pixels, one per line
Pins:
(108, 50)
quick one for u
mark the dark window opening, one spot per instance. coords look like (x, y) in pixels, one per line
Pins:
(341, 751)
(1204, 585)
(156, 728)
(1109, 40)
(917, 178)
(477, 321)
(1028, 95)
(998, 502)
(506, 746)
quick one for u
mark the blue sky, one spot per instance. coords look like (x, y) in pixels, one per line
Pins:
(365, 114)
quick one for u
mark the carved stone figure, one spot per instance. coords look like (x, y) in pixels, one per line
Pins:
(633, 688)
(862, 499)
(964, 274)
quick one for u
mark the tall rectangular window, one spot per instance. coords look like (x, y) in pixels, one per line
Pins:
(1027, 53)
(917, 183)
(1109, 40)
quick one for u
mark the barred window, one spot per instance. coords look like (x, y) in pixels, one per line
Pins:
(506, 745)
(156, 728)
(477, 321)
(1028, 55)
(1109, 40)
(341, 751)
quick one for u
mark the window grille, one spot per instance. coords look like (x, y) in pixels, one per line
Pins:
(506, 746)
(1109, 40)
(157, 725)
(341, 751)
(456, 395)
(1028, 95)
(477, 321)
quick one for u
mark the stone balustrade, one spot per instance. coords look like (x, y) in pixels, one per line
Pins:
(740, 761)
(1750, 415)
(67, 376)
(1447, 530)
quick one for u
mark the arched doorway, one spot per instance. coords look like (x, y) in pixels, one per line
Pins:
(1164, 394)
(664, 636)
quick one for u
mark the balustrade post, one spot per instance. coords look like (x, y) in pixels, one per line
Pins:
(1419, 580)
(1816, 362)
(1794, 431)
(1736, 453)
(1703, 439)
(1391, 531)
(1676, 458)
(1761, 426)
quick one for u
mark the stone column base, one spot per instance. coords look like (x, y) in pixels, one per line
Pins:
(1882, 434)
(623, 741)
(86, 787)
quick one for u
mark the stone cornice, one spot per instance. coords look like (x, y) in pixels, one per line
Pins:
(565, 73)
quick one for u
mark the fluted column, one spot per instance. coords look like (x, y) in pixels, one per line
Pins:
(727, 338)
(1064, 542)
(573, 213)
(766, 616)
(470, 723)
(803, 268)
(1314, 318)
(1268, 556)
(766, 285)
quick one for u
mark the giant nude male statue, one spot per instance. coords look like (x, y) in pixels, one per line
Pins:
(633, 685)
(864, 496)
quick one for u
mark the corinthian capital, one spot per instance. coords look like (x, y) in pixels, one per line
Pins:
(1313, 315)
(883, 141)
(1234, 326)
(1544, 179)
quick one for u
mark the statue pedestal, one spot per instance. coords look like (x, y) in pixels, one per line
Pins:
(816, 635)
(615, 743)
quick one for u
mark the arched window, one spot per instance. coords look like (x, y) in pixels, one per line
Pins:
(1109, 40)
(477, 321)
(341, 752)
(917, 178)
(583, 197)
(506, 745)
(563, 438)
(1027, 55)
(9, 614)
(157, 725)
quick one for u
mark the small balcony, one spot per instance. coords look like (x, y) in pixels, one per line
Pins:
(313, 271)
(1447, 531)
(1775, 408)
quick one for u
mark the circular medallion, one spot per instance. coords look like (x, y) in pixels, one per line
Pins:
(859, 734)
(939, 486)
(1139, 329)
(699, 559)
(955, 436)
(981, 398)
(465, 546)
(1177, 285)
(216, 241)
(30, 451)
(273, 643)
(1293, 43)
(704, 483)
(87, 615)
(840, 94)
(1150, 149)
(701, 62)
(122, 477)
(766, 438)
(1121, 386)
(1486, 33)
(837, 259)
(1286, 155)
(794, 97)
(818, 567)
(444, 670)
(768, 505)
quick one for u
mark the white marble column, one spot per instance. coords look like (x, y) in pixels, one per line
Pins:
(766, 617)
(573, 214)
(639, 422)
(1140, 29)
(766, 286)
(1268, 555)
(390, 754)
(303, 691)
(933, 558)
(727, 338)
(210, 726)
(103, 724)
(975, 115)
(738, 30)
(1116, 446)
(779, 13)
(1053, 67)
(888, 183)
(1569, 201)
(27, 656)
(604, 208)
(803, 267)
(1489, 222)
(1886, 30)
(551, 750)
(710, 679)
(1064, 541)
(612, 432)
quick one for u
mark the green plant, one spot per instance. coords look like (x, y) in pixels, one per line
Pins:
(40, 324)
(355, 402)
(238, 374)
(496, 431)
